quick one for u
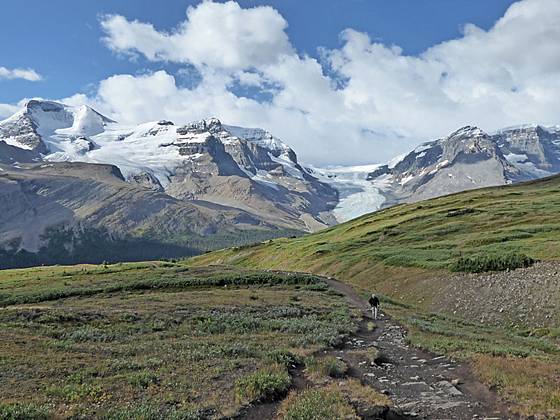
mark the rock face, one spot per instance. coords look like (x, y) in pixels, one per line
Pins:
(535, 150)
(467, 159)
(259, 175)
(229, 178)
(81, 212)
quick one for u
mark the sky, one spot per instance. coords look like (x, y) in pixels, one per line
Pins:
(341, 81)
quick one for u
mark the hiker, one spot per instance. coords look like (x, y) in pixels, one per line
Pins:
(374, 302)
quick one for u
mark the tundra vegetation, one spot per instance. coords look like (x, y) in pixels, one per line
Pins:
(157, 340)
(411, 253)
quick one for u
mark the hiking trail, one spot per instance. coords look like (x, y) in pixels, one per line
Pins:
(421, 385)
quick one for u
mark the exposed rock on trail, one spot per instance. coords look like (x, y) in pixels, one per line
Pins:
(421, 384)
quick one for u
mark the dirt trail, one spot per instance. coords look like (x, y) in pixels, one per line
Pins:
(421, 384)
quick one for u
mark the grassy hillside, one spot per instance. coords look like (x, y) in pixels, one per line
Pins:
(471, 231)
(411, 254)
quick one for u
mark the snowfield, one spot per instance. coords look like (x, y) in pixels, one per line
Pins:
(357, 195)
(81, 134)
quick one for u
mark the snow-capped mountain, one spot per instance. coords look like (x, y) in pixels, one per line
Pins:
(72, 171)
(205, 160)
(48, 127)
(251, 175)
(467, 159)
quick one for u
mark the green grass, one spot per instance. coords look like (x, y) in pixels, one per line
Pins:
(409, 253)
(318, 368)
(267, 384)
(335, 399)
(317, 404)
(511, 225)
(156, 340)
(20, 286)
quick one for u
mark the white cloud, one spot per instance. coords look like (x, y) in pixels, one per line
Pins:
(494, 78)
(221, 35)
(7, 109)
(363, 102)
(26, 74)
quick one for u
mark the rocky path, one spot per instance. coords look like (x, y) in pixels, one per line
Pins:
(421, 384)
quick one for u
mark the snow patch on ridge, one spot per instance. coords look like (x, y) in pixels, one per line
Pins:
(81, 134)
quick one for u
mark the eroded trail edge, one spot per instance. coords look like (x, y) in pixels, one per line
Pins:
(421, 384)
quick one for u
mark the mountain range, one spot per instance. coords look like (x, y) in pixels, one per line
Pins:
(76, 185)
(71, 176)
(468, 159)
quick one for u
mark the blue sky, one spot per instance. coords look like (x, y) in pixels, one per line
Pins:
(341, 81)
(60, 39)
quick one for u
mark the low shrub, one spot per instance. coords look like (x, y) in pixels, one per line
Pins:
(316, 404)
(149, 412)
(23, 412)
(142, 379)
(282, 357)
(369, 354)
(74, 392)
(317, 287)
(459, 212)
(361, 396)
(482, 263)
(267, 384)
(88, 333)
(328, 366)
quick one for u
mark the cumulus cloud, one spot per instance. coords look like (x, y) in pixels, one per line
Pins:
(362, 102)
(7, 109)
(26, 74)
(221, 35)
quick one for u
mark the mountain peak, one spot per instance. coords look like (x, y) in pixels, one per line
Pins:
(211, 125)
(467, 131)
(43, 105)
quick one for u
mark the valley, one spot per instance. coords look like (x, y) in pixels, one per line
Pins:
(162, 340)
(468, 280)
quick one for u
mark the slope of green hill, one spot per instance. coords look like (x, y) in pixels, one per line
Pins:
(501, 227)
(430, 261)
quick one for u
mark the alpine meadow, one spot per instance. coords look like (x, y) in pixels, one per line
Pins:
(319, 210)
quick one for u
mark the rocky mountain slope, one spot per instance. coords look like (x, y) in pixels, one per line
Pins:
(203, 179)
(249, 171)
(80, 212)
(206, 160)
(467, 159)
